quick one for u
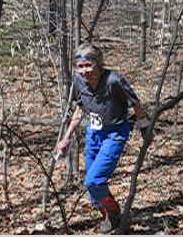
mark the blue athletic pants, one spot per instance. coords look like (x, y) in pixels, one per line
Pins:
(102, 152)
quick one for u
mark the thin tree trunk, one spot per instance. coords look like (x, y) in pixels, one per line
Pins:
(53, 162)
(52, 17)
(64, 50)
(151, 23)
(39, 162)
(1, 8)
(125, 219)
(143, 31)
(78, 20)
(4, 155)
(46, 184)
(71, 38)
(94, 23)
(65, 80)
(177, 93)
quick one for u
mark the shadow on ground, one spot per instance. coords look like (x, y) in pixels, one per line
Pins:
(146, 221)
(158, 218)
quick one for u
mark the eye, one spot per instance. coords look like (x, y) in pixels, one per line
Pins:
(80, 65)
(84, 65)
(88, 65)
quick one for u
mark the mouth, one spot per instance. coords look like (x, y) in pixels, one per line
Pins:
(89, 77)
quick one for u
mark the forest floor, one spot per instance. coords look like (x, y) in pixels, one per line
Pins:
(32, 109)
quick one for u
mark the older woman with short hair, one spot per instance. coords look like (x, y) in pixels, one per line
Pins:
(105, 96)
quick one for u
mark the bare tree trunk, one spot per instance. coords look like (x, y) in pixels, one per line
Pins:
(94, 23)
(74, 155)
(143, 31)
(4, 156)
(66, 75)
(177, 93)
(4, 149)
(78, 20)
(46, 184)
(65, 81)
(38, 161)
(52, 17)
(73, 162)
(5, 172)
(1, 8)
(125, 219)
(151, 23)
(71, 38)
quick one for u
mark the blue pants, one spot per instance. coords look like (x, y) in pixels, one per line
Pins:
(102, 152)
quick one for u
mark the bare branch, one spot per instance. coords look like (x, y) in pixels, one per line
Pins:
(1, 8)
(94, 23)
(53, 162)
(170, 104)
(158, 93)
(39, 162)
(125, 219)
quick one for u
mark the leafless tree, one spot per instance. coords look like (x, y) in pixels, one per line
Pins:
(4, 151)
(143, 31)
(52, 17)
(159, 108)
(98, 12)
(178, 90)
(78, 20)
(1, 8)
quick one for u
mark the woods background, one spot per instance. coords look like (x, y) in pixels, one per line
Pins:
(143, 40)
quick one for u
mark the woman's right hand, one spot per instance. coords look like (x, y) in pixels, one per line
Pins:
(63, 146)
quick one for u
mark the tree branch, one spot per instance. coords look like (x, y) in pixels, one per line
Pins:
(94, 23)
(39, 162)
(170, 104)
(125, 218)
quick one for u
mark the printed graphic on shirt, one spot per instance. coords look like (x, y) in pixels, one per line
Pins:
(95, 121)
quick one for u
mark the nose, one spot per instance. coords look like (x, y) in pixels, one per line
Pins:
(85, 73)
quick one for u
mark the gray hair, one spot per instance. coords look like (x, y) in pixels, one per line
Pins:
(90, 52)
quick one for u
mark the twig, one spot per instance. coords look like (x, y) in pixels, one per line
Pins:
(39, 162)
(158, 93)
(76, 203)
(94, 23)
(170, 104)
(34, 3)
(53, 162)
(125, 219)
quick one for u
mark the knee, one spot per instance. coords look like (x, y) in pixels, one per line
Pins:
(90, 181)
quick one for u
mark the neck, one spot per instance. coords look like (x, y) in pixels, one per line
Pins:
(94, 83)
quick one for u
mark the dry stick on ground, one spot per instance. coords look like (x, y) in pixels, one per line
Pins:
(39, 162)
(125, 218)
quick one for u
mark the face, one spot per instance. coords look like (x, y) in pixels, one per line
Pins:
(88, 69)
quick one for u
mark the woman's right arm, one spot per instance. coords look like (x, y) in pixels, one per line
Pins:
(63, 145)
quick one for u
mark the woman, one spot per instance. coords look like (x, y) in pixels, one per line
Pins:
(105, 96)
